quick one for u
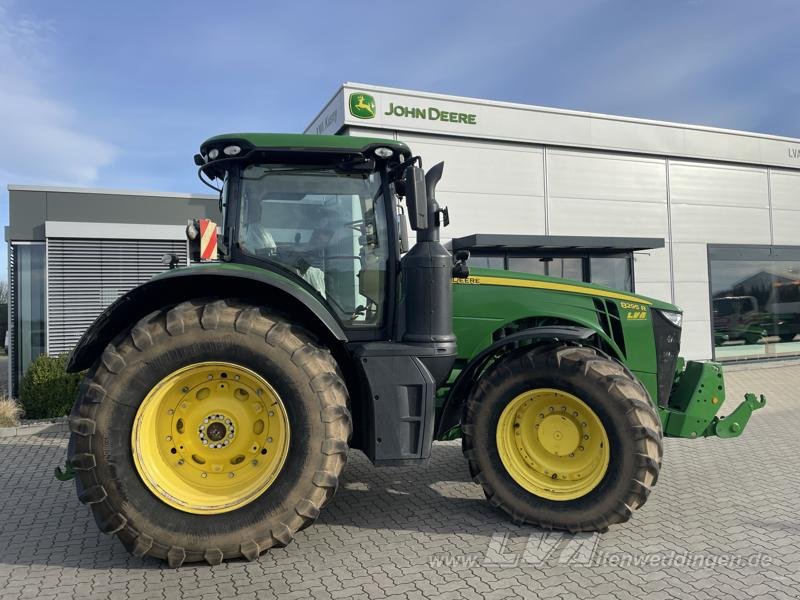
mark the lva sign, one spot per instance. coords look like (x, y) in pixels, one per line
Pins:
(794, 152)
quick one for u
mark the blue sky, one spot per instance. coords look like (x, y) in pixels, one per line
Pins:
(120, 94)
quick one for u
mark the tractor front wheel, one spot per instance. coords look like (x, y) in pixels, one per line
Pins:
(210, 430)
(563, 437)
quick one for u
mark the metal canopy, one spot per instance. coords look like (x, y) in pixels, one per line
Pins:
(554, 243)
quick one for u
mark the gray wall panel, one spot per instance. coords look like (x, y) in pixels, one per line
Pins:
(480, 167)
(785, 190)
(601, 176)
(127, 209)
(26, 215)
(718, 185)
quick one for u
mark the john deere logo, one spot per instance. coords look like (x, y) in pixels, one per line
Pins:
(362, 105)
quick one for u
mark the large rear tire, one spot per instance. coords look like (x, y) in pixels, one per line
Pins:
(210, 430)
(563, 437)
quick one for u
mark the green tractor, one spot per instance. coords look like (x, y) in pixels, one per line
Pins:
(221, 399)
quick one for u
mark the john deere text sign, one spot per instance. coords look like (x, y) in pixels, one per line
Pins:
(431, 113)
(362, 106)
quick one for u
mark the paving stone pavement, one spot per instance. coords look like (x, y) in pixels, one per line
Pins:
(723, 522)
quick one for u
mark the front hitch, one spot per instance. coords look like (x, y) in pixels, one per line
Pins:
(733, 425)
(697, 396)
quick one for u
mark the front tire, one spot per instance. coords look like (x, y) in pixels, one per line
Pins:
(164, 493)
(563, 437)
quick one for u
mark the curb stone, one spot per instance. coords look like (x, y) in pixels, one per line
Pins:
(52, 426)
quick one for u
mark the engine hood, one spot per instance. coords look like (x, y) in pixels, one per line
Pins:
(567, 286)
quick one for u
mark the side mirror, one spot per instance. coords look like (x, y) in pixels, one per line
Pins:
(416, 197)
(402, 231)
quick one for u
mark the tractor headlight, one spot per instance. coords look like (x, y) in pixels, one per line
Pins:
(232, 150)
(383, 152)
(667, 337)
(675, 318)
(213, 153)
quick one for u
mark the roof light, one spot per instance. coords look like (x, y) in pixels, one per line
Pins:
(212, 154)
(383, 152)
(232, 150)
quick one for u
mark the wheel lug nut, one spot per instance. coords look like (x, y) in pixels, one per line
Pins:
(254, 462)
(171, 411)
(169, 438)
(180, 461)
(269, 439)
(231, 475)
(204, 475)
(272, 413)
(184, 389)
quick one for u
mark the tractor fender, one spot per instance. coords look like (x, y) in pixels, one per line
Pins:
(221, 280)
(451, 410)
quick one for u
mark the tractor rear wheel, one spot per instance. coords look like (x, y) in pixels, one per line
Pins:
(563, 437)
(210, 430)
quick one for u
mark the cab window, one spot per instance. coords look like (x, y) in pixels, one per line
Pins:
(326, 227)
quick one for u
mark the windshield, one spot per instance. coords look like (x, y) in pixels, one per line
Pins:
(328, 227)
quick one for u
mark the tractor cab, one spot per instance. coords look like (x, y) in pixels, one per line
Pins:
(323, 216)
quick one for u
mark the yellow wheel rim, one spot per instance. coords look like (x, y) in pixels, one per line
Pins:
(210, 438)
(553, 444)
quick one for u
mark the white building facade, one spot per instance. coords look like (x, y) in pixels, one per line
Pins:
(725, 203)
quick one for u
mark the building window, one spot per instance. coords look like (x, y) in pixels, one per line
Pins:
(495, 261)
(527, 264)
(755, 301)
(611, 271)
(28, 307)
(566, 268)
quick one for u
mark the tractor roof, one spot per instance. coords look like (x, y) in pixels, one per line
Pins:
(303, 142)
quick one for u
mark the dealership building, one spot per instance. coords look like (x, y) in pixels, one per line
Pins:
(703, 217)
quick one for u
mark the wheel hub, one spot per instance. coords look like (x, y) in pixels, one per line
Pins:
(559, 435)
(216, 431)
(210, 438)
(553, 444)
